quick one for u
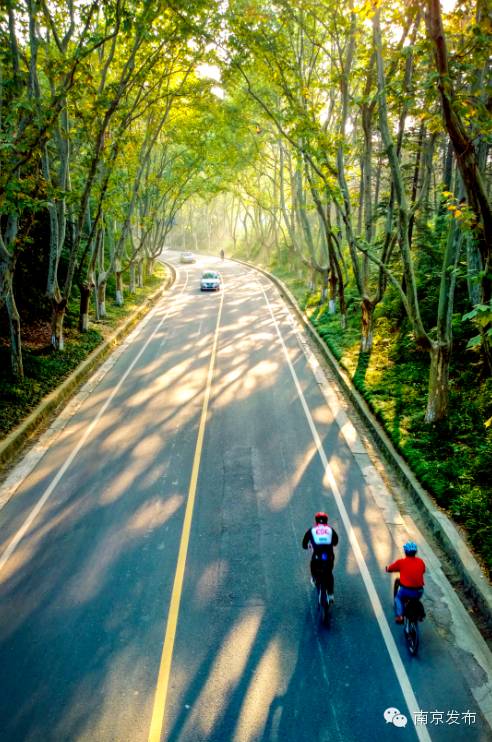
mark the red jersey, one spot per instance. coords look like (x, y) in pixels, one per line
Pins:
(411, 571)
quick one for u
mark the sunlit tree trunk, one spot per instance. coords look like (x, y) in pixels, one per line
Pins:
(367, 325)
(438, 392)
(332, 299)
(119, 282)
(102, 281)
(59, 306)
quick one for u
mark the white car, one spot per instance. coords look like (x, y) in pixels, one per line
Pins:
(187, 257)
(211, 281)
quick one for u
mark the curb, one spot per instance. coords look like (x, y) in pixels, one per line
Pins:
(476, 584)
(12, 444)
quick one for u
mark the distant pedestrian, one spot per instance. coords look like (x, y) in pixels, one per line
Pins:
(222, 255)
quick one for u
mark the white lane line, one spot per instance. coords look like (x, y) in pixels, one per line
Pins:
(47, 439)
(13, 544)
(401, 673)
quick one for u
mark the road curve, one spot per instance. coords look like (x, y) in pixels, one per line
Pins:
(152, 582)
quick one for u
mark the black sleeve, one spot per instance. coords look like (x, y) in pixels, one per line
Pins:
(306, 539)
(334, 538)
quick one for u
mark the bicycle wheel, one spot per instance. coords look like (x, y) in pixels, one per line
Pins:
(411, 630)
(324, 605)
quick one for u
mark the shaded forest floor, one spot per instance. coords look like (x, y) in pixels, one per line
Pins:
(44, 368)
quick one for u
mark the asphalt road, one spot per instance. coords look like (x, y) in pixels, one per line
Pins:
(152, 581)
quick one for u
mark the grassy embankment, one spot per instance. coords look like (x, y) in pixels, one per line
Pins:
(44, 369)
(452, 460)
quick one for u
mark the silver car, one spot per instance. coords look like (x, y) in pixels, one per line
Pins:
(187, 257)
(211, 281)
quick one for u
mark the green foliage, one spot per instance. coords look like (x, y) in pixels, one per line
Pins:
(44, 371)
(474, 510)
(481, 316)
(31, 272)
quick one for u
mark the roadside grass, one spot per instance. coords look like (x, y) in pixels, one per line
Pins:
(452, 460)
(44, 368)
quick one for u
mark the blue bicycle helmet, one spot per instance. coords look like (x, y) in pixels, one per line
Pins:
(410, 548)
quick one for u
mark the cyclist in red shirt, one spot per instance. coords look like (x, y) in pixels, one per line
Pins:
(411, 570)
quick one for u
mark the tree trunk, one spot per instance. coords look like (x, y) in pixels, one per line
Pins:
(312, 281)
(57, 319)
(101, 296)
(7, 268)
(85, 295)
(474, 264)
(324, 286)
(415, 182)
(332, 302)
(140, 274)
(15, 336)
(437, 402)
(119, 288)
(440, 350)
(132, 286)
(367, 324)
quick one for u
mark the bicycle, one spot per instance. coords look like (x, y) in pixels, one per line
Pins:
(413, 612)
(324, 602)
(323, 583)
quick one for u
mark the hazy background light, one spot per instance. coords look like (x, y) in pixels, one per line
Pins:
(218, 92)
(210, 71)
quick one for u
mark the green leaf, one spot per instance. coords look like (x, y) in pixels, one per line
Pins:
(474, 341)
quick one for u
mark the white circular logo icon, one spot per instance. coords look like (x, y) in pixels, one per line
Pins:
(399, 720)
(392, 716)
(389, 714)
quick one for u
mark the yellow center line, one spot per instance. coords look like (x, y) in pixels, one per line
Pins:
(158, 713)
